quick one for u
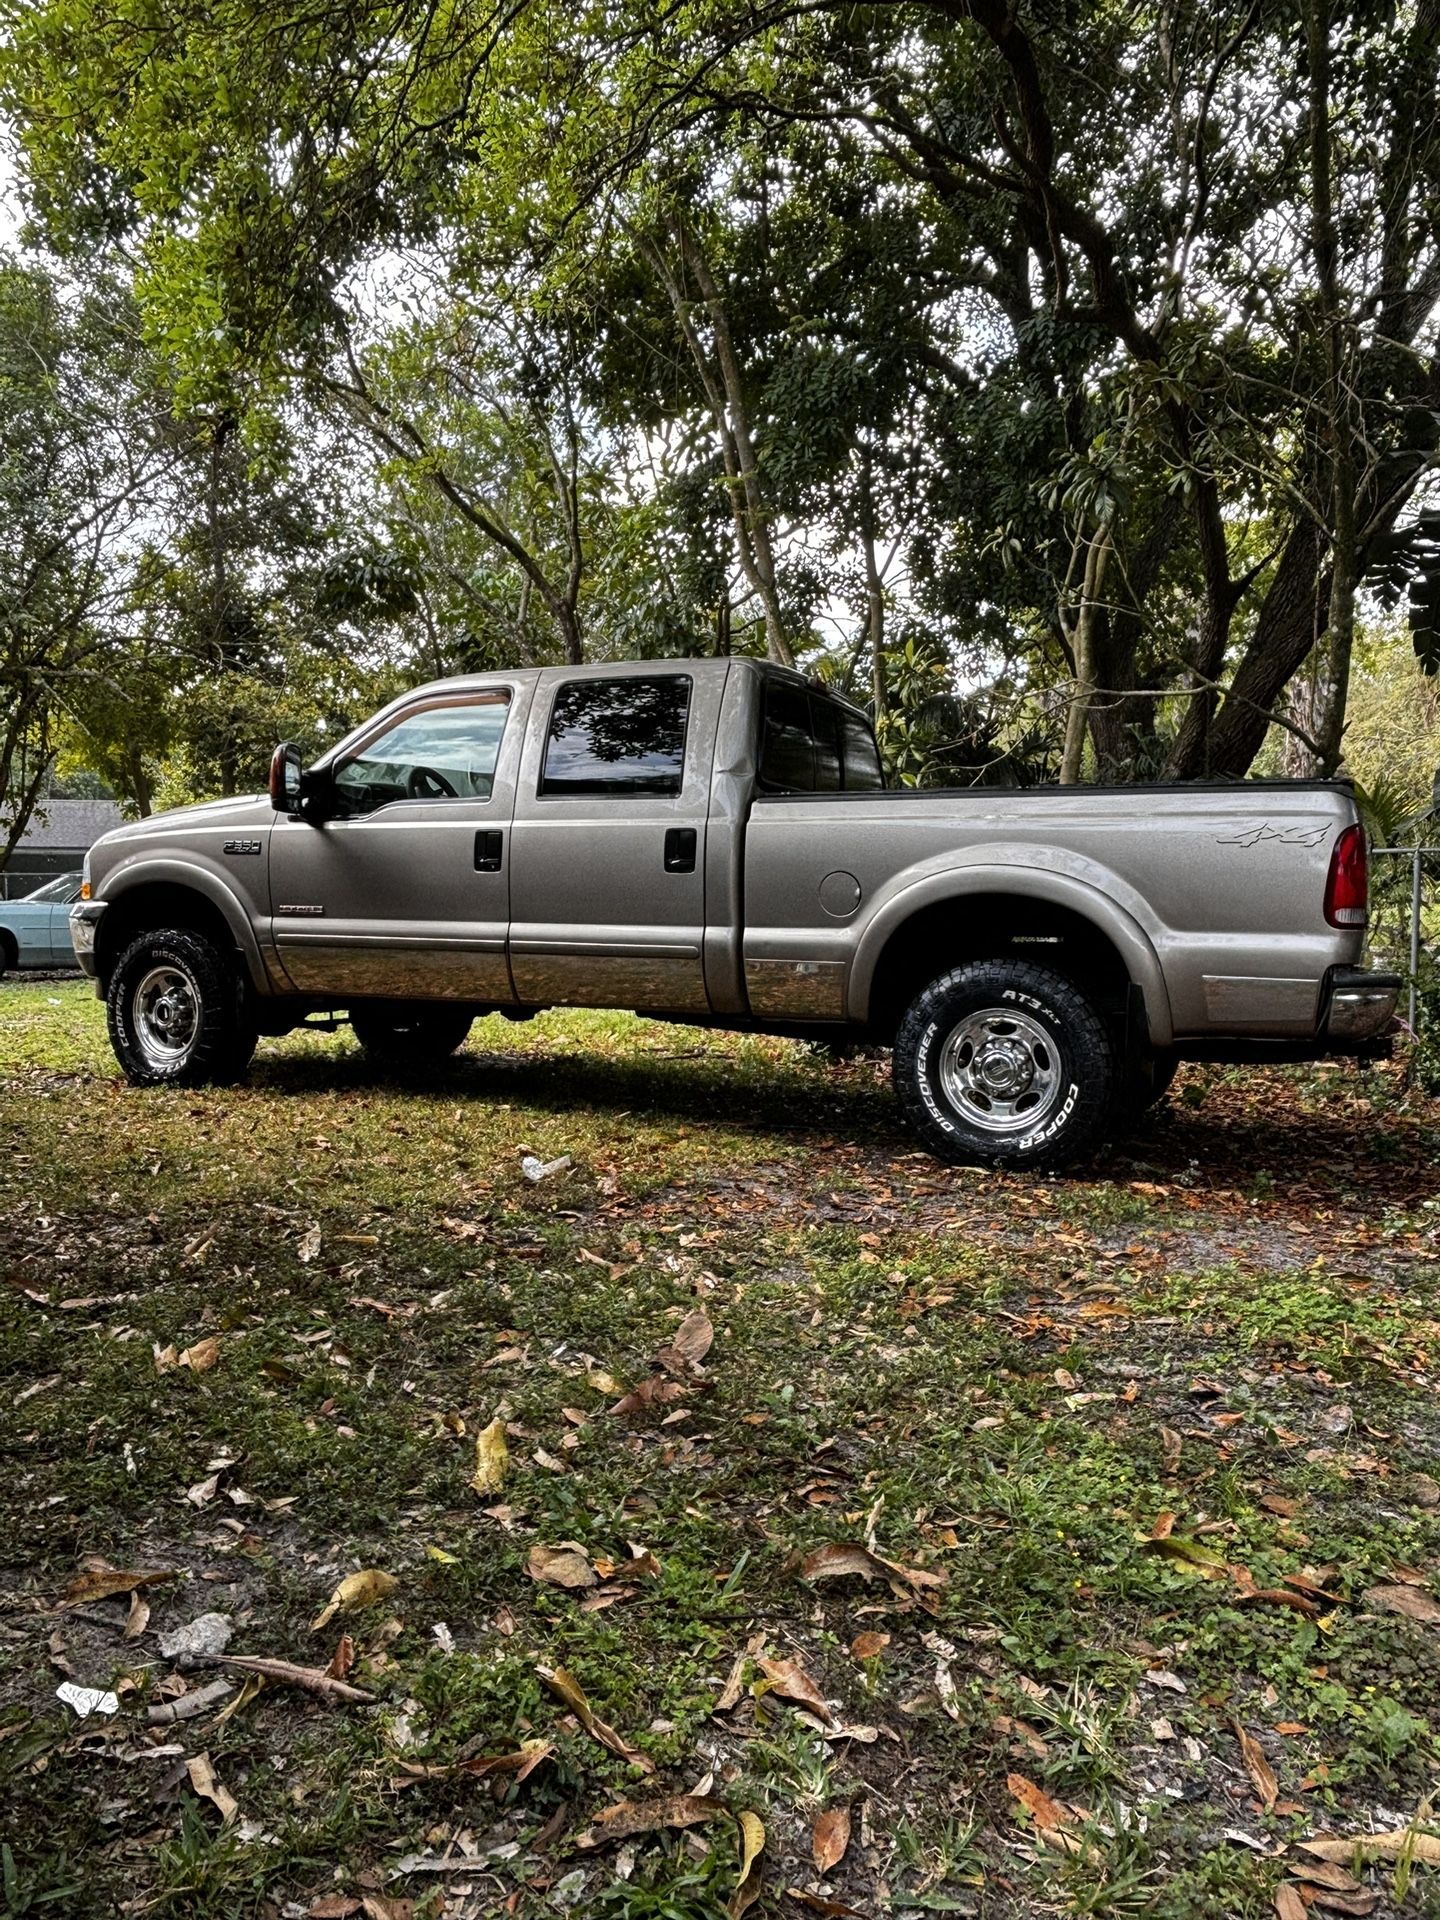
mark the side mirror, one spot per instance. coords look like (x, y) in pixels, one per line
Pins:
(286, 778)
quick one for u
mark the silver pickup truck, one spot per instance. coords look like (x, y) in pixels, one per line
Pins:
(713, 841)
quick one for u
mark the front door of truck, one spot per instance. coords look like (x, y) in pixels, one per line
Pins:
(607, 892)
(405, 893)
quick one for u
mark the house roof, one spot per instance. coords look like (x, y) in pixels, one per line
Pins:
(68, 826)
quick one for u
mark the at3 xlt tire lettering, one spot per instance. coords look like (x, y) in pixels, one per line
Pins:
(1003, 1063)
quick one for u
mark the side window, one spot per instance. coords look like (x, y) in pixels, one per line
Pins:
(620, 738)
(813, 745)
(862, 758)
(444, 752)
(787, 751)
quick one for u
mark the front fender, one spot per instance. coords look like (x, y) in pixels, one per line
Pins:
(196, 875)
(1093, 893)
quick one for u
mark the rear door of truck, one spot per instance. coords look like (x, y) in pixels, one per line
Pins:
(607, 884)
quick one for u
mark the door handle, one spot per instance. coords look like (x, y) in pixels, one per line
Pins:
(489, 850)
(680, 850)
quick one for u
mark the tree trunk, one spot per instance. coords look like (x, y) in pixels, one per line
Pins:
(874, 591)
(1082, 642)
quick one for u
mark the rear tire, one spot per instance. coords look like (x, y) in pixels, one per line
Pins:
(177, 1012)
(9, 955)
(1004, 1064)
(405, 1034)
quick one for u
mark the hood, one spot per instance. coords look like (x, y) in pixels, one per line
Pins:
(241, 810)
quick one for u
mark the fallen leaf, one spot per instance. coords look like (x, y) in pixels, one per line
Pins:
(343, 1658)
(789, 1679)
(630, 1817)
(1424, 1847)
(563, 1566)
(101, 1583)
(204, 1781)
(752, 1845)
(202, 1356)
(356, 1590)
(492, 1458)
(1288, 1904)
(1412, 1602)
(693, 1339)
(138, 1618)
(565, 1687)
(654, 1392)
(1043, 1811)
(841, 1558)
(829, 1838)
(1277, 1597)
(308, 1248)
(1257, 1766)
(866, 1646)
(521, 1764)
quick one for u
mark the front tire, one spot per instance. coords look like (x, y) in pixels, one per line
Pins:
(1004, 1064)
(402, 1035)
(177, 1012)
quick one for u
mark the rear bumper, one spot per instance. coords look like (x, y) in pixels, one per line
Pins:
(1359, 1006)
(84, 920)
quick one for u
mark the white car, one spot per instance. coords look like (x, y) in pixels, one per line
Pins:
(35, 930)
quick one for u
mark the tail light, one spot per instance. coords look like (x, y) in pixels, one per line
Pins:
(1347, 885)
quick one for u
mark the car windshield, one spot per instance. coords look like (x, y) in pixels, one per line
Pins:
(61, 890)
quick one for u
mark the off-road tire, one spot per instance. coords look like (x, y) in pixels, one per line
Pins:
(1064, 1031)
(411, 1035)
(222, 1040)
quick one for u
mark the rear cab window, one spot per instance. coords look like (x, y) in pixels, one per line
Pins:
(812, 744)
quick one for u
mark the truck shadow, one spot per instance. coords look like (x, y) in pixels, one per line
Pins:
(1266, 1136)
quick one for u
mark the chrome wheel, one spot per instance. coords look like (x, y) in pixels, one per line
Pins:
(1001, 1071)
(166, 1009)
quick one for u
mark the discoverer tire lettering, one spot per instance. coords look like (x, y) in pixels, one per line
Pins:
(1055, 1023)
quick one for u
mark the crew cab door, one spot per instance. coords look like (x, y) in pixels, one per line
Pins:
(607, 890)
(405, 894)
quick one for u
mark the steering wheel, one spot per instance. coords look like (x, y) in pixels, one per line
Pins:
(426, 783)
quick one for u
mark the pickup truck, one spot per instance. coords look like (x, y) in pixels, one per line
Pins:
(712, 841)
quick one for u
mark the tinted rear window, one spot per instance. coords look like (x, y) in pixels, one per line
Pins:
(618, 737)
(813, 745)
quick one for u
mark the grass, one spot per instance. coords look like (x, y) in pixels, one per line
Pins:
(1000, 1384)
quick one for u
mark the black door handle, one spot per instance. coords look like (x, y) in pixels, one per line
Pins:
(680, 850)
(489, 850)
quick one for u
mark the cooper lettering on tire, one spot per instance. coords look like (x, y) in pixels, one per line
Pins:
(1006, 1064)
(178, 1013)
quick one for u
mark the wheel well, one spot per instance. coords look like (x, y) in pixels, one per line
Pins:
(159, 904)
(9, 948)
(990, 926)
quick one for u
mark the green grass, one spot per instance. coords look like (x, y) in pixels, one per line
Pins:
(1001, 1381)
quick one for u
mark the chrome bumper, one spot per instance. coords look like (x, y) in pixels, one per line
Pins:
(1361, 1005)
(84, 919)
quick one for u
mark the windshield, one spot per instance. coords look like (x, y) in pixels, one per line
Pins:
(62, 890)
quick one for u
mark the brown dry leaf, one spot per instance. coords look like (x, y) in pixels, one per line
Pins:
(830, 1837)
(204, 1781)
(202, 1356)
(654, 1392)
(565, 1687)
(1424, 1847)
(630, 1817)
(735, 1685)
(364, 1589)
(841, 1558)
(1288, 1904)
(693, 1339)
(1324, 1873)
(789, 1679)
(866, 1646)
(1171, 1442)
(1412, 1602)
(567, 1565)
(1359, 1904)
(102, 1583)
(166, 1358)
(492, 1458)
(1257, 1766)
(139, 1616)
(1277, 1597)
(343, 1658)
(522, 1764)
(752, 1845)
(386, 1906)
(1047, 1814)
